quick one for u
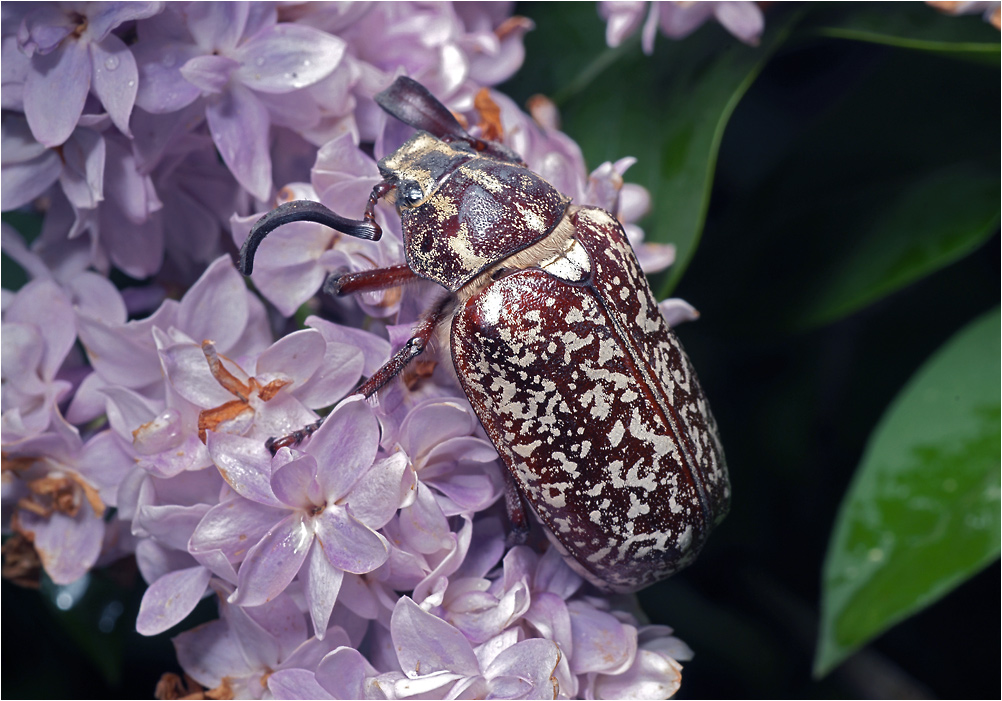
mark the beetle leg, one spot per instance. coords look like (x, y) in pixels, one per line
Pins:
(517, 515)
(339, 284)
(414, 347)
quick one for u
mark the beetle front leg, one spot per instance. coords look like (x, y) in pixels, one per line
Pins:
(341, 284)
(414, 347)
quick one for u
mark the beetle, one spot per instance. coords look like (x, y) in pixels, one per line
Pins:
(557, 341)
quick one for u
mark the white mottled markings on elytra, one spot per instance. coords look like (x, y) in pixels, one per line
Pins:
(603, 423)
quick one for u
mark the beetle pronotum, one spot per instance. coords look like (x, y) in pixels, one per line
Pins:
(557, 341)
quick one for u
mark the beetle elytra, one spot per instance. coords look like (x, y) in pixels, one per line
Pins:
(557, 341)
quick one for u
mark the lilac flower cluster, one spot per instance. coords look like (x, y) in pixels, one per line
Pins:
(135, 416)
(677, 20)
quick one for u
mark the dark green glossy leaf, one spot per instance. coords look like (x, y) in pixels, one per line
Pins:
(668, 110)
(922, 513)
(912, 26)
(889, 182)
(934, 221)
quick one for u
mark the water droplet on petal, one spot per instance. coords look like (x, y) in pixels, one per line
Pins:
(259, 61)
(306, 63)
(131, 83)
(111, 63)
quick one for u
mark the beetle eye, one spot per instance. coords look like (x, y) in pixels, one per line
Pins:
(410, 193)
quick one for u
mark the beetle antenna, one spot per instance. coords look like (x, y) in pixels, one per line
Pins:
(412, 103)
(303, 210)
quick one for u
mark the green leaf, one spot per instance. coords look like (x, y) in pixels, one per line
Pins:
(922, 513)
(933, 222)
(913, 26)
(894, 179)
(668, 110)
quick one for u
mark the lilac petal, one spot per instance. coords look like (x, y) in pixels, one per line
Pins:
(245, 464)
(375, 499)
(215, 308)
(162, 88)
(210, 74)
(273, 562)
(375, 350)
(622, 19)
(239, 126)
(601, 642)
(345, 446)
(115, 79)
(55, 91)
(342, 673)
(232, 527)
(103, 17)
(548, 614)
(216, 562)
(458, 546)
(356, 596)
(527, 666)
(21, 183)
(295, 483)
(287, 57)
(339, 372)
(349, 545)
(554, 575)
(323, 582)
(131, 191)
(188, 372)
(677, 311)
(294, 357)
(171, 524)
(217, 26)
(28, 167)
(170, 599)
(43, 28)
(298, 684)
(426, 644)
(678, 21)
(652, 676)
(268, 632)
(154, 560)
(125, 353)
(432, 423)
(742, 19)
(43, 304)
(210, 652)
(426, 529)
(68, 547)
(308, 654)
(83, 177)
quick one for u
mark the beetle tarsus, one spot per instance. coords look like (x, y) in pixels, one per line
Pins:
(295, 438)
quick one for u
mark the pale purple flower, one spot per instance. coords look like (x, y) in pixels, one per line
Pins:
(437, 659)
(38, 333)
(243, 64)
(238, 652)
(678, 20)
(59, 491)
(317, 509)
(180, 380)
(73, 52)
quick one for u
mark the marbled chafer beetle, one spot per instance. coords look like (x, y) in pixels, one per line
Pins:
(557, 341)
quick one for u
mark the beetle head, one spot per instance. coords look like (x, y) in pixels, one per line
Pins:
(418, 167)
